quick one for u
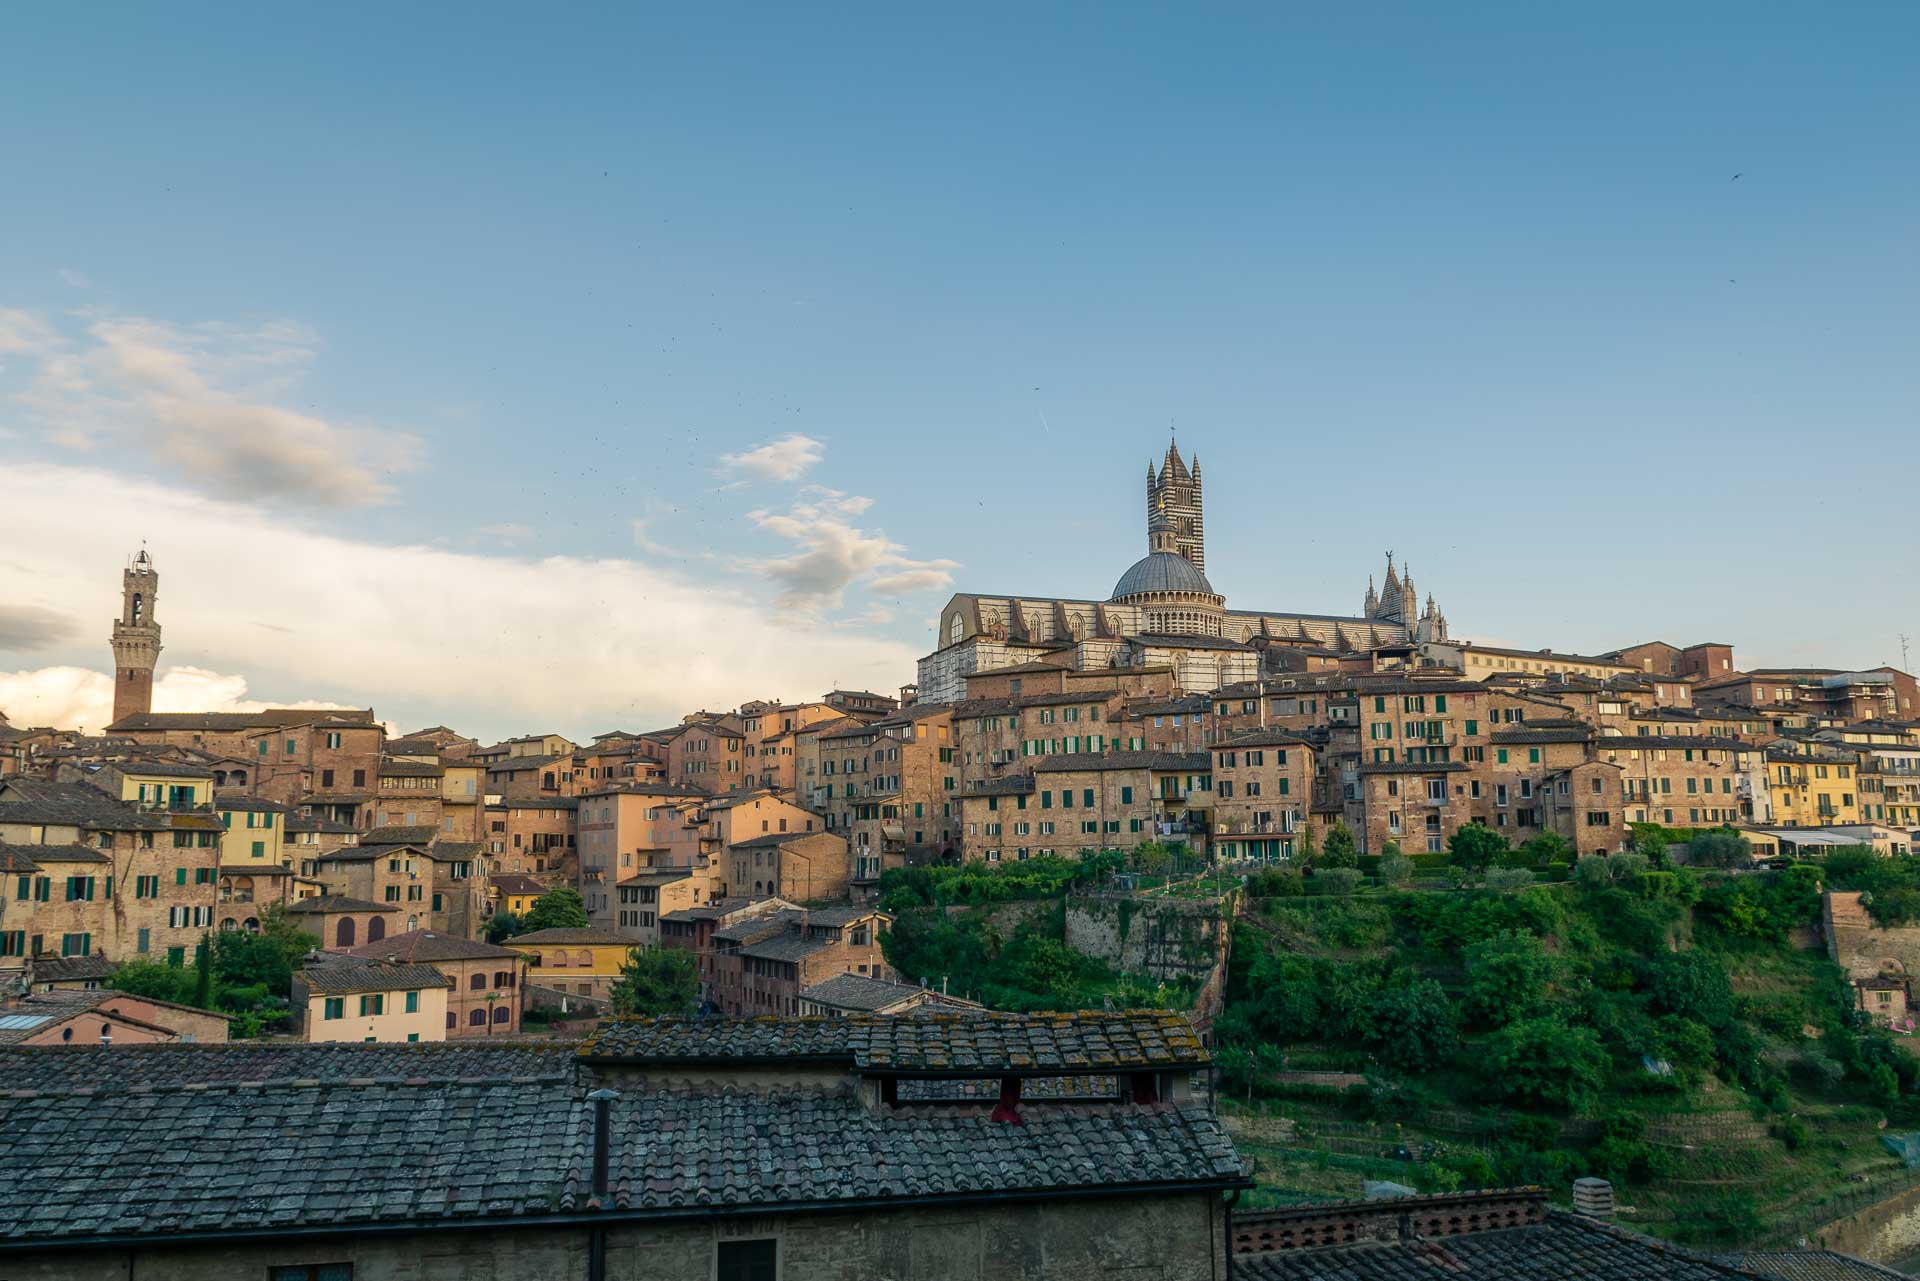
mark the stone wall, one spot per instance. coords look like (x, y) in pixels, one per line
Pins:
(1863, 949)
(1165, 1238)
(1163, 938)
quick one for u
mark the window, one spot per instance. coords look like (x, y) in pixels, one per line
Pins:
(744, 1260)
(312, 1272)
(413, 1001)
(374, 1003)
(336, 1007)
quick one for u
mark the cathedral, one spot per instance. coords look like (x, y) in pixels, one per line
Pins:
(1163, 611)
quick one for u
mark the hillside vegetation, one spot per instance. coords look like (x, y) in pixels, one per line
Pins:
(1656, 1026)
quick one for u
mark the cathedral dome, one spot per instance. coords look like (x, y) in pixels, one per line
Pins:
(1162, 572)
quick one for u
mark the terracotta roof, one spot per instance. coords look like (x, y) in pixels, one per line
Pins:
(341, 976)
(428, 946)
(516, 883)
(35, 1068)
(1199, 762)
(944, 1045)
(1564, 1246)
(71, 969)
(584, 936)
(339, 903)
(417, 834)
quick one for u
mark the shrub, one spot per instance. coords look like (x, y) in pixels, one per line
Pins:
(1719, 849)
(1276, 883)
(1505, 880)
(1395, 868)
(1336, 880)
(1413, 1026)
(1544, 1061)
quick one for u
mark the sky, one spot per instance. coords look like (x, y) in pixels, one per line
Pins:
(567, 370)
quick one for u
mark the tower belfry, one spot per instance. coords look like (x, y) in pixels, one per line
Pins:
(136, 638)
(1175, 508)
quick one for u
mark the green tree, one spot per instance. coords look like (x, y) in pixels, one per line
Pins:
(1544, 1061)
(503, 925)
(1395, 868)
(203, 974)
(265, 959)
(656, 982)
(1509, 977)
(1341, 849)
(151, 978)
(1412, 1026)
(1475, 847)
(559, 908)
(1547, 847)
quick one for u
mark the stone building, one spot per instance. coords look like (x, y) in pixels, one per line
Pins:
(104, 1017)
(761, 965)
(347, 998)
(889, 786)
(488, 982)
(88, 874)
(808, 1150)
(1687, 782)
(1075, 804)
(1163, 612)
(1262, 787)
(536, 837)
(802, 866)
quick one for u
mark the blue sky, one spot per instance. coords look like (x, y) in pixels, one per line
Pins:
(1481, 287)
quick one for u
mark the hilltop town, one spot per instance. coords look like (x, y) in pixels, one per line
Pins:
(925, 896)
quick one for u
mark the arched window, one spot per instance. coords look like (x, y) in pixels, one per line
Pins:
(376, 929)
(139, 608)
(251, 925)
(586, 957)
(343, 933)
(451, 1021)
(479, 981)
(560, 957)
(955, 626)
(476, 1018)
(500, 1014)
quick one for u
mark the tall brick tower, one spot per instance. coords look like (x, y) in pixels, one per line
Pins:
(1174, 503)
(136, 639)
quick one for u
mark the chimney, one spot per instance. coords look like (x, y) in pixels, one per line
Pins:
(602, 1137)
(1593, 1198)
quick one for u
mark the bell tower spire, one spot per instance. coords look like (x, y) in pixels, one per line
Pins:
(1176, 509)
(136, 638)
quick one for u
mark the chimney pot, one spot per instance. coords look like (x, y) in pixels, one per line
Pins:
(602, 1137)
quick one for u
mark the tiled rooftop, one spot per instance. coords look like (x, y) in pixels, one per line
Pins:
(347, 975)
(943, 1045)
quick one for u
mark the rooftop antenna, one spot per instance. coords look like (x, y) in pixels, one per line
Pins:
(1904, 665)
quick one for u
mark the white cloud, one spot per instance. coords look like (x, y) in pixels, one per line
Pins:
(79, 698)
(835, 554)
(490, 644)
(205, 400)
(788, 458)
(74, 279)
